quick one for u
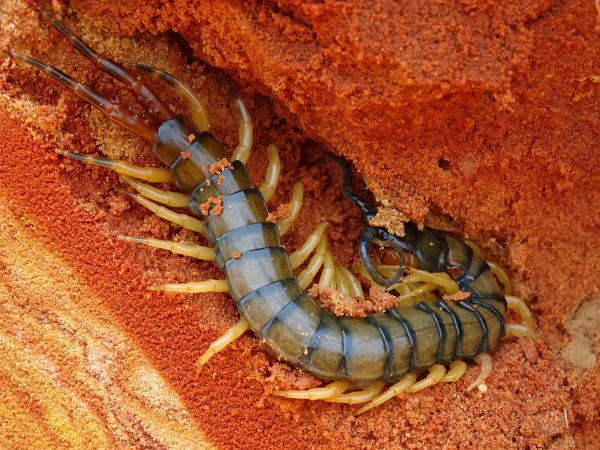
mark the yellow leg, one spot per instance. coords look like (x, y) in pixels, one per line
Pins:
(197, 109)
(457, 370)
(354, 287)
(404, 289)
(300, 255)
(334, 280)
(194, 251)
(174, 199)
(416, 285)
(183, 220)
(446, 284)
(386, 271)
(519, 330)
(328, 271)
(242, 151)
(396, 389)
(285, 223)
(418, 281)
(308, 274)
(268, 188)
(426, 287)
(151, 174)
(365, 395)
(502, 276)
(436, 374)
(485, 361)
(340, 281)
(193, 287)
(331, 390)
(519, 305)
(227, 338)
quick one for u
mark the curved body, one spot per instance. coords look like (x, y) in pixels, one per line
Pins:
(381, 346)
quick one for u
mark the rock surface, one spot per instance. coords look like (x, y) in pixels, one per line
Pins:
(475, 117)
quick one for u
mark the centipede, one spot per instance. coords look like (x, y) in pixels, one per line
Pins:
(452, 304)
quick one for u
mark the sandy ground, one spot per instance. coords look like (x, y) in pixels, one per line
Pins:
(475, 118)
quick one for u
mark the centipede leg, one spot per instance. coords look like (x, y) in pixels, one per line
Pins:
(341, 284)
(364, 395)
(240, 327)
(183, 220)
(485, 361)
(302, 254)
(502, 276)
(396, 389)
(203, 287)
(193, 102)
(242, 151)
(285, 223)
(193, 287)
(353, 285)
(457, 370)
(174, 199)
(328, 272)
(143, 93)
(519, 330)
(308, 274)
(269, 186)
(194, 251)
(332, 390)
(150, 174)
(436, 374)
(116, 113)
(519, 305)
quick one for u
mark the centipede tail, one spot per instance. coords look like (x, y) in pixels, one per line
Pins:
(394, 346)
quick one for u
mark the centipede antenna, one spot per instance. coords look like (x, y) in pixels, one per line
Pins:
(156, 73)
(367, 210)
(116, 113)
(145, 96)
(193, 102)
(101, 161)
(58, 75)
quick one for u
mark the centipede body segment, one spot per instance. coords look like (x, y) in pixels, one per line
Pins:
(359, 355)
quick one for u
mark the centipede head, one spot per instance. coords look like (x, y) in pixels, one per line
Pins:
(390, 256)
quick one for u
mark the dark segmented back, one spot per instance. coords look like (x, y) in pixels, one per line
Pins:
(382, 346)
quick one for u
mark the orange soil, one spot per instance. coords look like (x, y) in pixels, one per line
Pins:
(480, 118)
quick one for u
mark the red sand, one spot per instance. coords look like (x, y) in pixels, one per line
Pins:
(480, 119)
